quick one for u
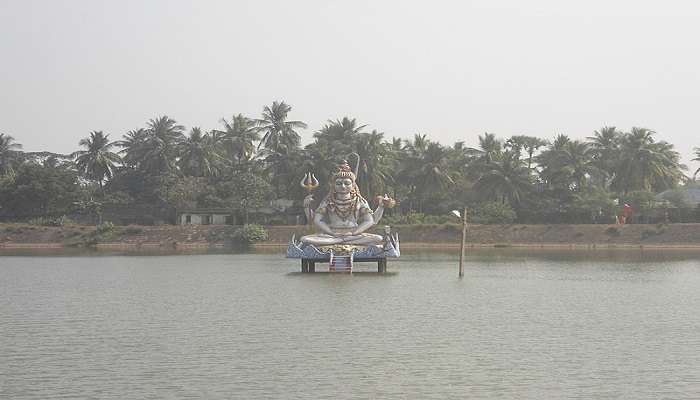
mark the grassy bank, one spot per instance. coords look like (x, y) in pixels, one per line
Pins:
(445, 235)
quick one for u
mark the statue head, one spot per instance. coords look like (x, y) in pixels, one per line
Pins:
(343, 180)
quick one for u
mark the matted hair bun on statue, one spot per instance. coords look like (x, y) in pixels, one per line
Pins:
(344, 171)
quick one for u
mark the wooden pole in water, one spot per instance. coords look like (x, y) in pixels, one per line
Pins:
(464, 236)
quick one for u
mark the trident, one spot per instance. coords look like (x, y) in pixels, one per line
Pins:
(309, 182)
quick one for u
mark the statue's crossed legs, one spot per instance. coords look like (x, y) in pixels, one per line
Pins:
(363, 239)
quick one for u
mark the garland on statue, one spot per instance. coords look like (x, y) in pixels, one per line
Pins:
(344, 208)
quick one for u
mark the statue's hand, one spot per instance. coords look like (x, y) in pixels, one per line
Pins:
(358, 231)
(387, 201)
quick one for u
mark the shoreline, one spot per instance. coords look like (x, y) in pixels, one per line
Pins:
(546, 246)
(419, 237)
(404, 246)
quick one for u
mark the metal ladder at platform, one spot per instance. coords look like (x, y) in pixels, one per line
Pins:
(340, 263)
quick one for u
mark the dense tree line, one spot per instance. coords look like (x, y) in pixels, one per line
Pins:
(249, 161)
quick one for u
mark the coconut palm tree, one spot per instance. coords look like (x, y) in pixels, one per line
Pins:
(376, 166)
(8, 153)
(410, 161)
(550, 163)
(506, 179)
(568, 164)
(418, 146)
(397, 145)
(433, 169)
(284, 169)
(576, 162)
(605, 143)
(160, 146)
(515, 144)
(278, 131)
(645, 164)
(198, 155)
(344, 131)
(673, 171)
(238, 138)
(531, 145)
(560, 141)
(606, 138)
(133, 147)
(333, 142)
(489, 148)
(97, 162)
(459, 159)
(429, 172)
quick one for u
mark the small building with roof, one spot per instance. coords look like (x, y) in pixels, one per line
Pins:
(688, 195)
(276, 212)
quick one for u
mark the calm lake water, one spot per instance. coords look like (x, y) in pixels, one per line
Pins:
(540, 325)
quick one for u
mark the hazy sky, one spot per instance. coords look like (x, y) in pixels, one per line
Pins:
(451, 69)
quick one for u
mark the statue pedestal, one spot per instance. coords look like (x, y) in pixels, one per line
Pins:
(309, 265)
(342, 258)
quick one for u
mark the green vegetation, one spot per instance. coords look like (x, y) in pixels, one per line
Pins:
(104, 228)
(250, 161)
(250, 233)
(96, 162)
(244, 235)
(8, 154)
(49, 221)
(103, 232)
(494, 213)
(133, 230)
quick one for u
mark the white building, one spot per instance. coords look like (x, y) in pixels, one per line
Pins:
(276, 212)
(206, 216)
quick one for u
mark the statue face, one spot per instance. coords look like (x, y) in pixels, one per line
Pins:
(343, 185)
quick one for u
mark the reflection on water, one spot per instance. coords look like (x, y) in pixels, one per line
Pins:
(521, 324)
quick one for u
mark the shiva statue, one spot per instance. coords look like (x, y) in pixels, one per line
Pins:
(344, 215)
